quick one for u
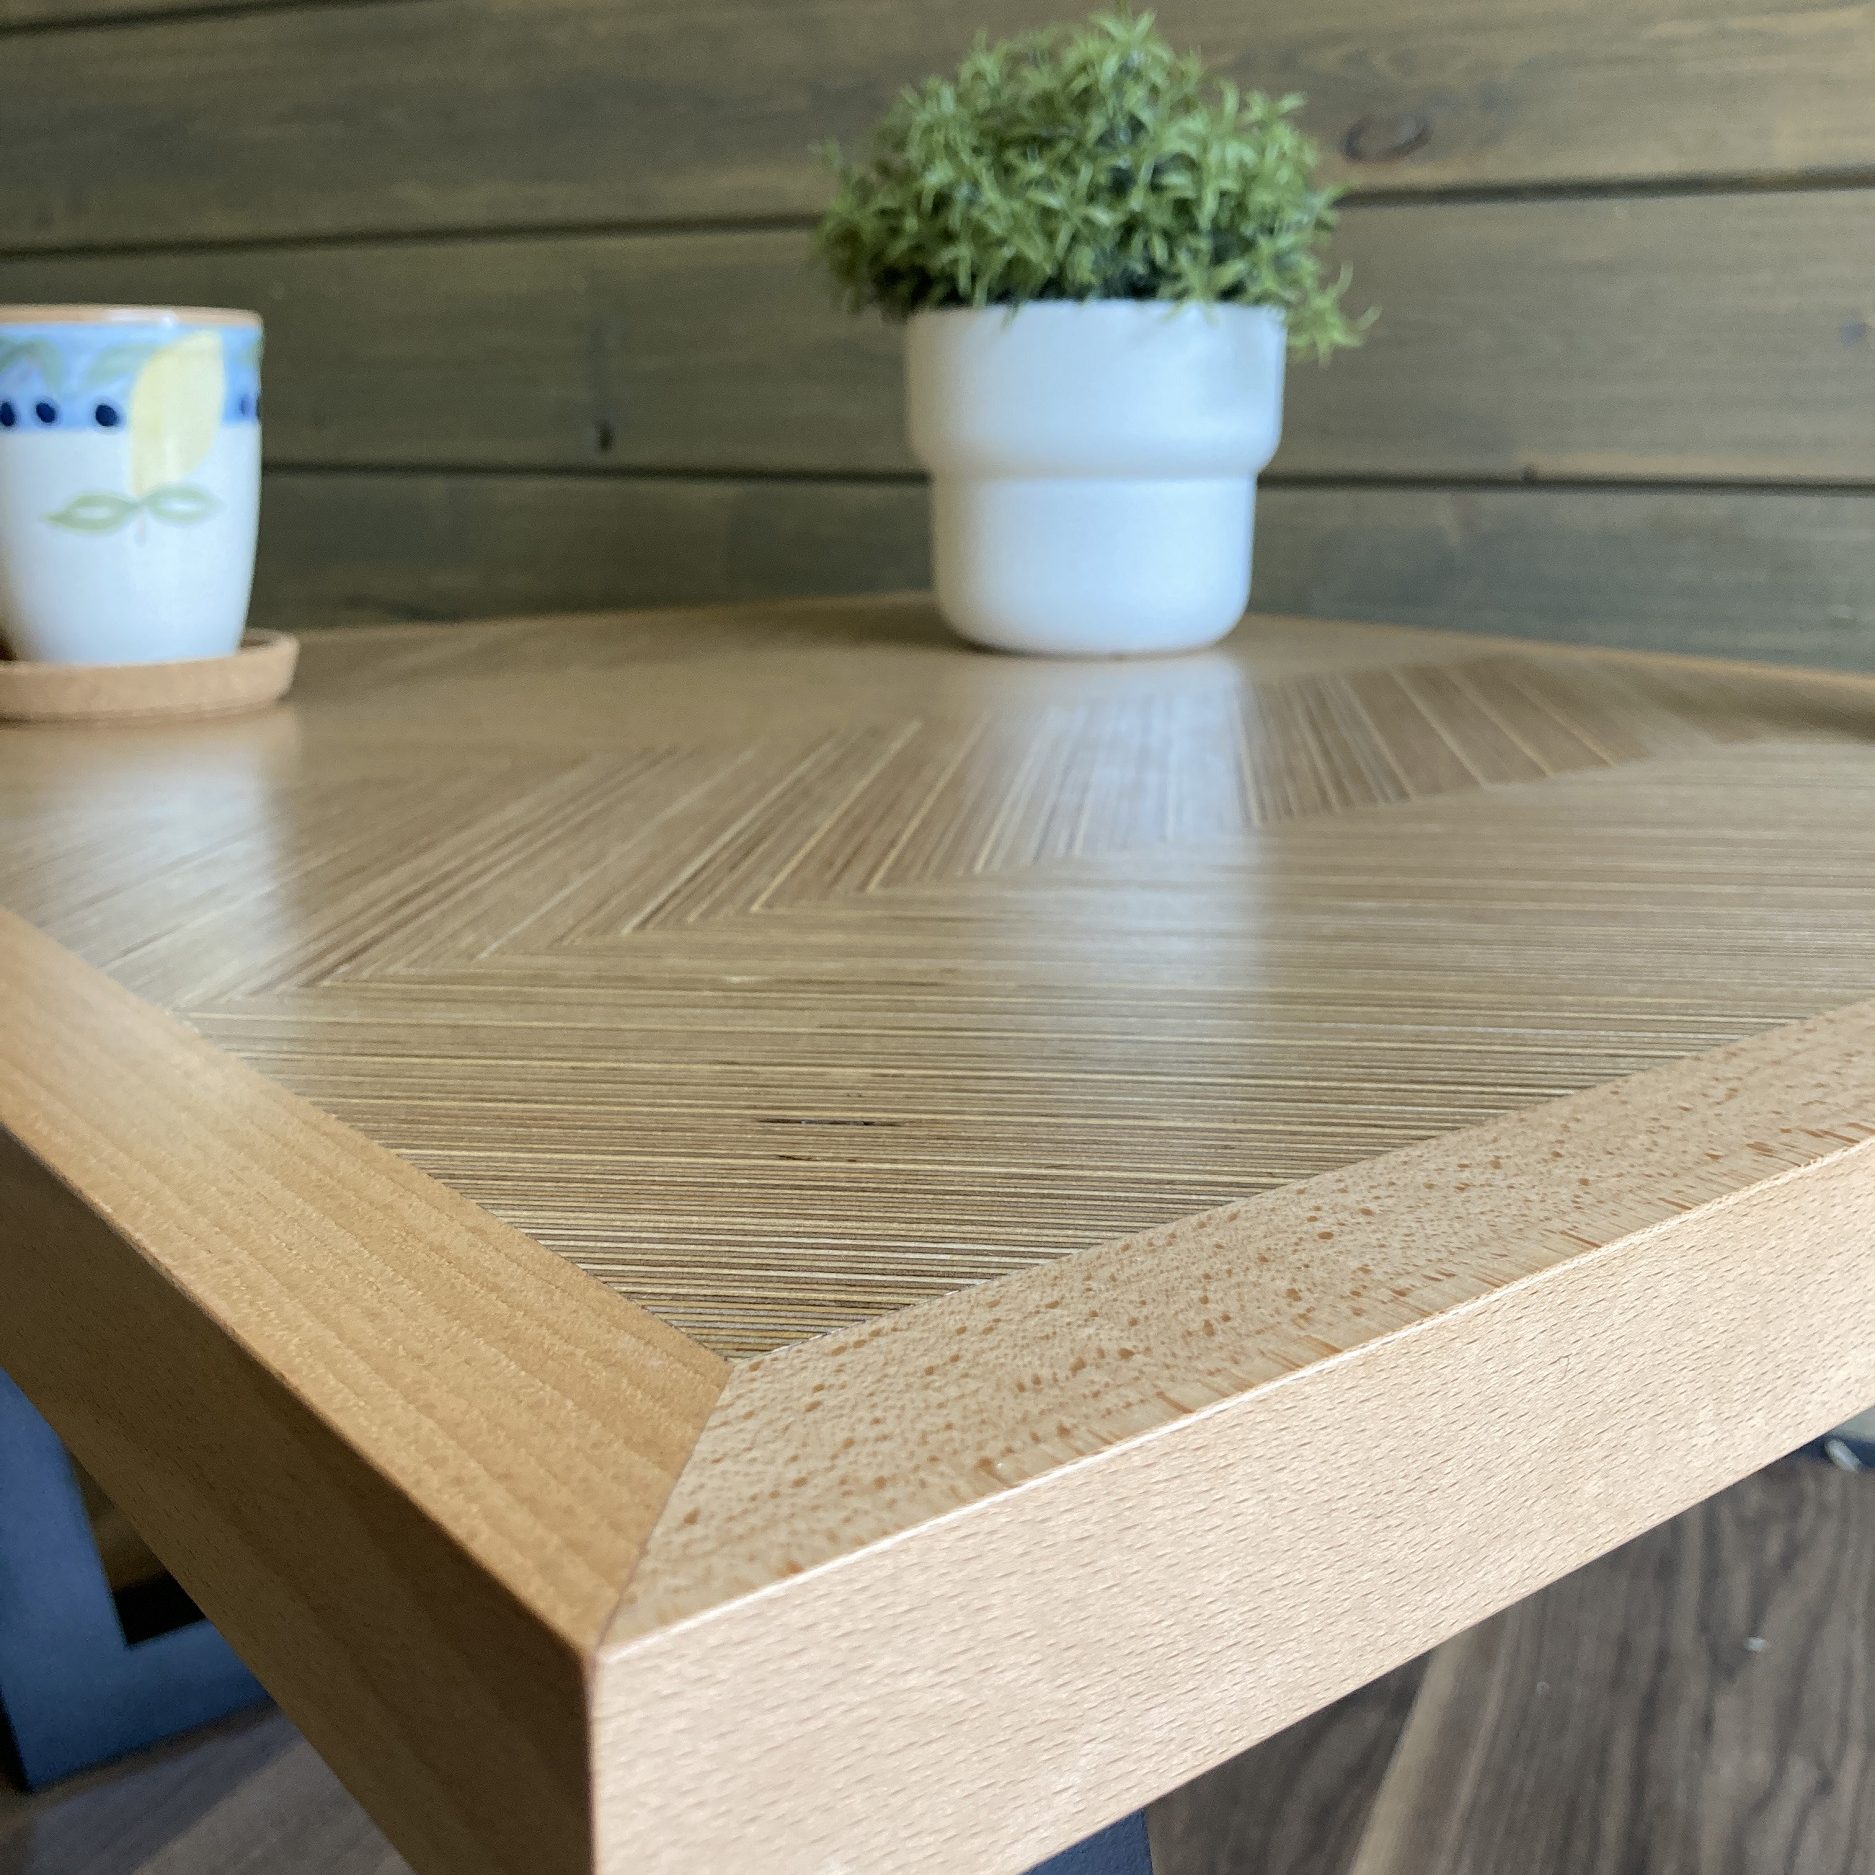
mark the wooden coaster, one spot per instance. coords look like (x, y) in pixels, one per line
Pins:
(258, 673)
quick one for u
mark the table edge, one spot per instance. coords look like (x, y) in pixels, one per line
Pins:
(404, 1456)
(1046, 1615)
(587, 1575)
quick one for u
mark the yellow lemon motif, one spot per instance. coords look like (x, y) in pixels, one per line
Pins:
(175, 410)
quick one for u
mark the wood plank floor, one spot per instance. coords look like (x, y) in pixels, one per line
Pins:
(1700, 1703)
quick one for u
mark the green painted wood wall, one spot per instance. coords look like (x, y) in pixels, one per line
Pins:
(542, 333)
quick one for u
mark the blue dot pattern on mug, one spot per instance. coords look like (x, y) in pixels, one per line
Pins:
(82, 377)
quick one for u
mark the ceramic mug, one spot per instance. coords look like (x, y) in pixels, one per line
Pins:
(129, 481)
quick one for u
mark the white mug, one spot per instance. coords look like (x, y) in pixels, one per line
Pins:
(129, 481)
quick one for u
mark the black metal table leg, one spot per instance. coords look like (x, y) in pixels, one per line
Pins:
(1121, 1850)
(73, 1690)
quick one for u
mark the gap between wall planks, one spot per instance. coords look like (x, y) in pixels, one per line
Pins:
(401, 1454)
(1501, 351)
(57, 15)
(511, 113)
(894, 1609)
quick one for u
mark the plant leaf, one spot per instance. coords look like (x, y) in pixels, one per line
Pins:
(1080, 163)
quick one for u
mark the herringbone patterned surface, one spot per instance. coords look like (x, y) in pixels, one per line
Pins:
(786, 969)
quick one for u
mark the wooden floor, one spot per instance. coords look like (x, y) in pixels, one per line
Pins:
(1700, 1703)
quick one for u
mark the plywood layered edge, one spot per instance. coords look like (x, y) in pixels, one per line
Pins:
(403, 1455)
(553, 1591)
(955, 1589)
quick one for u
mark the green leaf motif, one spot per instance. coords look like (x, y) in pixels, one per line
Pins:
(181, 504)
(41, 354)
(96, 513)
(117, 362)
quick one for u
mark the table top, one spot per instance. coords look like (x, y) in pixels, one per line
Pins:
(866, 1214)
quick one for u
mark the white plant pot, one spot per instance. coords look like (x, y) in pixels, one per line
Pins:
(1094, 468)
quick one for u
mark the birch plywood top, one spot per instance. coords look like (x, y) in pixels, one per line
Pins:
(783, 972)
(1028, 1073)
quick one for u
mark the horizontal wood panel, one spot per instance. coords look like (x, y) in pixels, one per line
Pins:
(1780, 576)
(678, 351)
(1783, 577)
(511, 113)
(356, 548)
(1694, 337)
(1662, 337)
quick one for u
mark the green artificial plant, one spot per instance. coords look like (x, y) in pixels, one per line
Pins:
(1082, 163)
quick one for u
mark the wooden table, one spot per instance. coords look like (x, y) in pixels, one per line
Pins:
(749, 1241)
